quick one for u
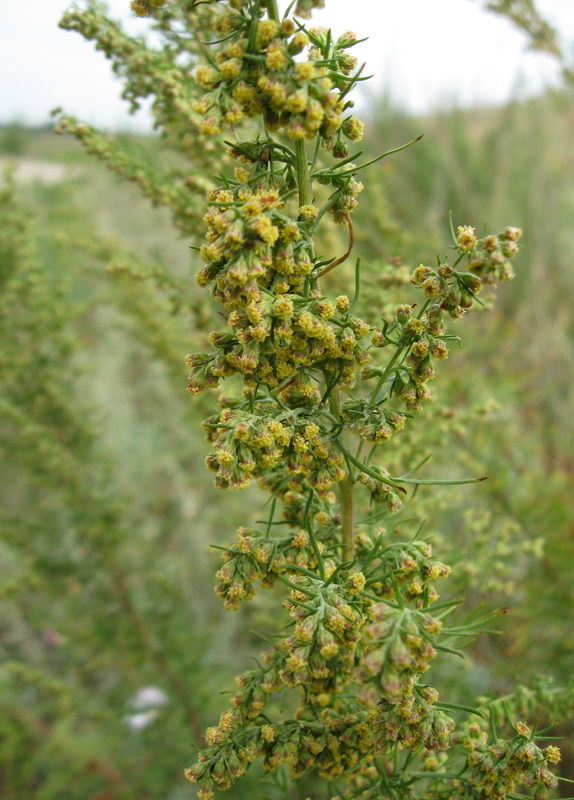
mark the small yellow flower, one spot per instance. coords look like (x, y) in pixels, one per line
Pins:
(343, 303)
(268, 733)
(356, 583)
(552, 754)
(465, 238)
(305, 71)
(308, 213)
(522, 728)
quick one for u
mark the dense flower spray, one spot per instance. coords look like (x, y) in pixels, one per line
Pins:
(312, 382)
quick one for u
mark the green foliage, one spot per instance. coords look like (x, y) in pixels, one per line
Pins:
(12, 139)
(90, 615)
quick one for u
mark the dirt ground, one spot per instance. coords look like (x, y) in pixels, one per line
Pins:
(30, 170)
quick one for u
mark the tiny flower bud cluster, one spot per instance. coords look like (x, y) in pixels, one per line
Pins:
(345, 747)
(347, 187)
(446, 290)
(275, 340)
(499, 768)
(410, 381)
(489, 258)
(411, 565)
(256, 74)
(334, 742)
(488, 261)
(373, 423)
(249, 243)
(414, 722)
(381, 493)
(305, 7)
(248, 444)
(322, 648)
(397, 652)
(257, 557)
(144, 7)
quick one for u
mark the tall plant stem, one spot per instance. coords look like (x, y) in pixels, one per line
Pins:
(303, 182)
(272, 10)
(346, 493)
(386, 373)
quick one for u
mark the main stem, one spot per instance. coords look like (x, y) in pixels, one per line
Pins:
(346, 487)
(303, 182)
(272, 10)
(304, 185)
(346, 493)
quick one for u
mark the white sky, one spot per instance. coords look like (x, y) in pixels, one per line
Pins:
(425, 52)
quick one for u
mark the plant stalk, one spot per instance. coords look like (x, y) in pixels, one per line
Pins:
(346, 494)
(303, 182)
(272, 10)
(386, 373)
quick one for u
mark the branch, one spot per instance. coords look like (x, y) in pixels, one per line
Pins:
(343, 258)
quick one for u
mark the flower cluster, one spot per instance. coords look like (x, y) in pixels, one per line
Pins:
(455, 292)
(490, 257)
(248, 444)
(277, 343)
(305, 7)
(421, 338)
(142, 8)
(373, 423)
(250, 243)
(407, 565)
(324, 509)
(322, 648)
(342, 177)
(398, 650)
(498, 768)
(345, 746)
(414, 721)
(258, 557)
(335, 743)
(258, 74)
(380, 492)
(228, 755)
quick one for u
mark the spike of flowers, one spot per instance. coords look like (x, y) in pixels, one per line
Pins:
(362, 622)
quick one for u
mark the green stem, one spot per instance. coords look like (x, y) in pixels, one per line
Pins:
(346, 493)
(272, 10)
(303, 182)
(385, 374)
(309, 528)
(347, 497)
(396, 482)
(315, 158)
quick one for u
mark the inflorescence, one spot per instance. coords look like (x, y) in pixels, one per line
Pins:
(363, 621)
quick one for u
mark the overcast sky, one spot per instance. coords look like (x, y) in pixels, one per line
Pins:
(424, 52)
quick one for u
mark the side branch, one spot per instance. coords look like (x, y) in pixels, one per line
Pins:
(344, 257)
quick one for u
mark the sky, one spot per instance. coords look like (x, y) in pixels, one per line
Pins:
(424, 53)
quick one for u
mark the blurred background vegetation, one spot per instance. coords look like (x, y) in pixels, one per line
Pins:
(113, 647)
